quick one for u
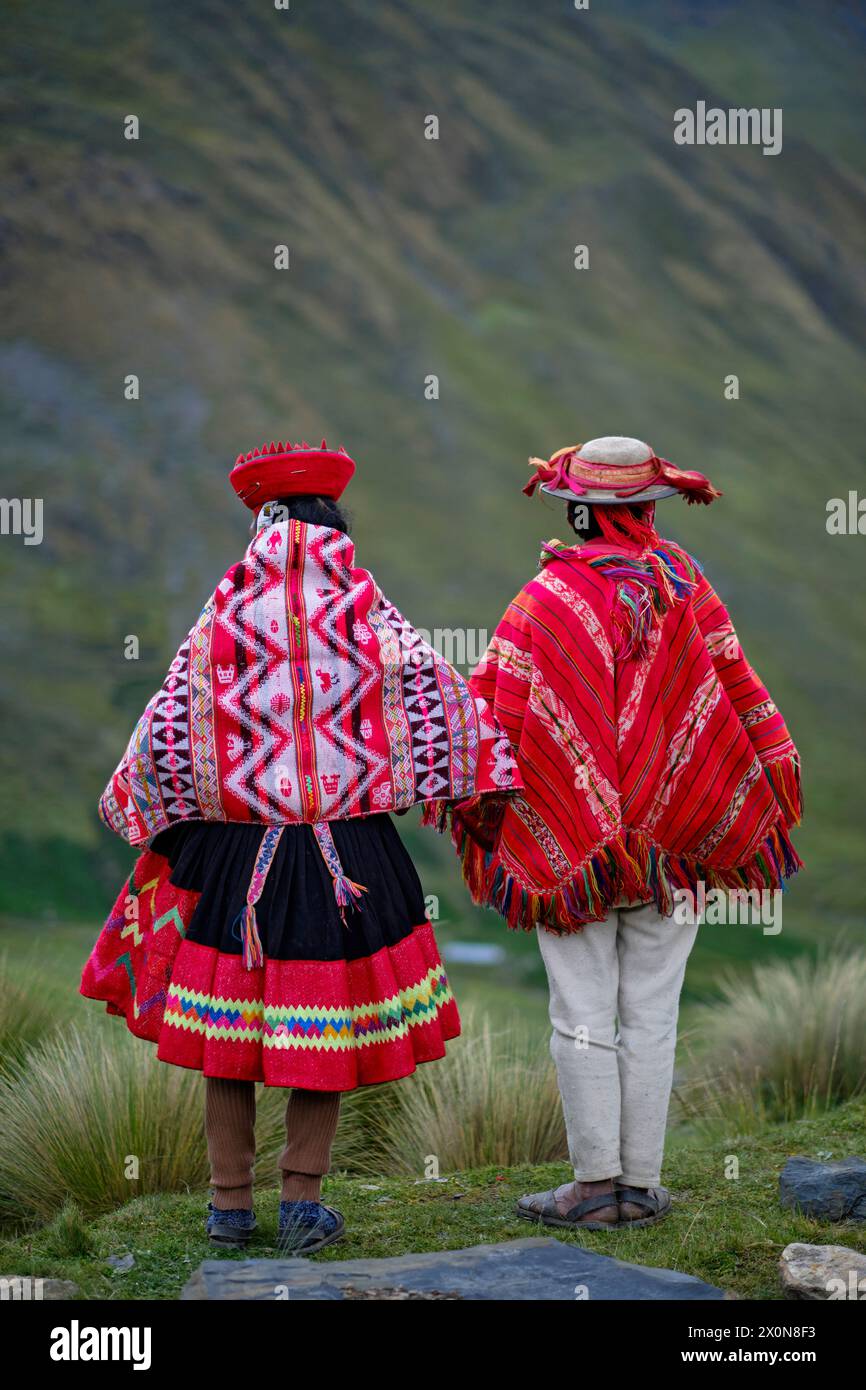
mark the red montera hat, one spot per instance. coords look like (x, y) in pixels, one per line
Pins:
(285, 470)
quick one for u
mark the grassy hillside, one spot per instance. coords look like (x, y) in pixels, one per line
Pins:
(411, 257)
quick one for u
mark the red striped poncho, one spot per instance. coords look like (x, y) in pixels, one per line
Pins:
(652, 756)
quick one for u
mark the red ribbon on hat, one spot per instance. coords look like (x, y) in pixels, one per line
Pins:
(695, 487)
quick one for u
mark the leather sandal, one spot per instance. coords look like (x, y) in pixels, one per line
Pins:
(655, 1201)
(549, 1214)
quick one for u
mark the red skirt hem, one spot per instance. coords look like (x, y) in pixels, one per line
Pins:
(317, 1025)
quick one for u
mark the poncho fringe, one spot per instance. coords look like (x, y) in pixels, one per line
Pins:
(784, 777)
(629, 868)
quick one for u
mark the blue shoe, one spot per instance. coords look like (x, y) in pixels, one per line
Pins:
(306, 1227)
(232, 1228)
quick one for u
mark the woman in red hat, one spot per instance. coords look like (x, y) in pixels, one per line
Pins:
(273, 928)
(655, 767)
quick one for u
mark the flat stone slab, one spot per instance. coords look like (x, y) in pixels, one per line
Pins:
(825, 1191)
(545, 1269)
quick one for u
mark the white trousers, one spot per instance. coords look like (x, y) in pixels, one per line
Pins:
(616, 1084)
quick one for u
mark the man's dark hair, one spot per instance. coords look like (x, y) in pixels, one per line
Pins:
(316, 511)
(592, 530)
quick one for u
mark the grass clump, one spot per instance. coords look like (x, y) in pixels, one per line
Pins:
(788, 1043)
(95, 1124)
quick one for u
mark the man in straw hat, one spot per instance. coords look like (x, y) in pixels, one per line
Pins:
(655, 765)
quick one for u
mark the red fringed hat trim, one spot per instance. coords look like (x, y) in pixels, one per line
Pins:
(287, 470)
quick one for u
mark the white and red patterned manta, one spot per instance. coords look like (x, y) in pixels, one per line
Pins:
(302, 695)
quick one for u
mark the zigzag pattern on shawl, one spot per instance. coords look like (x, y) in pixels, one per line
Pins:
(302, 695)
(255, 616)
(359, 674)
(462, 725)
(143, 781)
(396, 720)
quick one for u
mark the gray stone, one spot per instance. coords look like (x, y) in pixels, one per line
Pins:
(516, 1269)
(121, 1264)
(825, 1191)
(823, 1271)
(29, 1288)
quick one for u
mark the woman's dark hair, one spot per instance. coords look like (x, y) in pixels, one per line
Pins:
(316, 511)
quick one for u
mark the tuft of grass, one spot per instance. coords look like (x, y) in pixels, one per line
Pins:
(492, 1100)
(788, 1043)
(95, 1124)
(68, 1235)
(26, 1017)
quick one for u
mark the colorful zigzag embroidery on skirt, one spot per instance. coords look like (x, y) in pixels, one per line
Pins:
(309, 1027)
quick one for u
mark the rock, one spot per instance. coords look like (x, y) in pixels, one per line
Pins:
(825, 1191)
(823, 1271)
(534, 1268)
(30, 1288)
(121, 1263)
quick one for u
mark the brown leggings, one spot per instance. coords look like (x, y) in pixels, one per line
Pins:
(230, 1126)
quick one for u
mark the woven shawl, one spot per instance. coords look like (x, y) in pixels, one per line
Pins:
(652, 756)
(302, 695)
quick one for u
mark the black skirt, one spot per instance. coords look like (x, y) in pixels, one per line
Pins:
(297, 914)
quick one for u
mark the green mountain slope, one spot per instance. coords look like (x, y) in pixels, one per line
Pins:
(411, 257)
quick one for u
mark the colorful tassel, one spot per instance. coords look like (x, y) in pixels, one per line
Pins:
(346, 891)
(254, 955)
(246, 924)
(647, 587)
